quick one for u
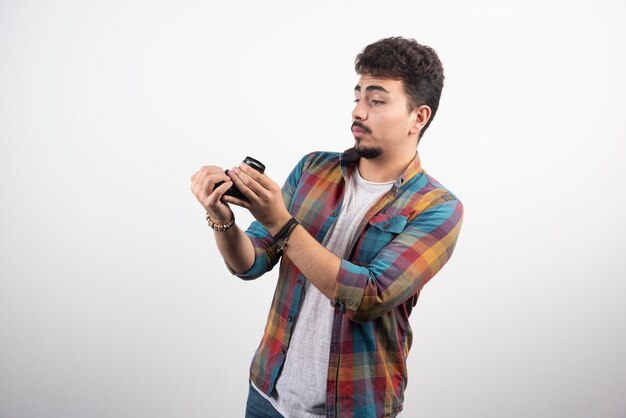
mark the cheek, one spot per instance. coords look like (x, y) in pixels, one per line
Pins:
(404, 123)
(391, 125)
(398, 126)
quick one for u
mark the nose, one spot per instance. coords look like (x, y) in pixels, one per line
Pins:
(359, 111)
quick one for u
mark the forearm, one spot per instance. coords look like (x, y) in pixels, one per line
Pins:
(236, 248)
(209, 185)
(267, 204)
(318, 265)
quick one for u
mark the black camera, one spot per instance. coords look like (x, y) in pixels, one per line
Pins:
(234, 191)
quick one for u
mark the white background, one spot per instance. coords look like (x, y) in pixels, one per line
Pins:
(113, 299)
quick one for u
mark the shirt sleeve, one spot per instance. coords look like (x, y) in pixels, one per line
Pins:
(403, 266)
(265, 250)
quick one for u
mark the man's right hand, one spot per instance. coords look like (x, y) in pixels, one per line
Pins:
(202, 184)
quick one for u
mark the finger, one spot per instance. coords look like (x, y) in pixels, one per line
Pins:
(204, 171)
(197, 182)
(236, 201)
(260, 178)
(246, 184)
(218, 177)
(200, 176)
(217, 193)
(197, 176)
(210, 181)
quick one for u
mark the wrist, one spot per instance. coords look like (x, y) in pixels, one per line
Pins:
(220, 226)
(277, 225)
(282, 236)
(220, 217)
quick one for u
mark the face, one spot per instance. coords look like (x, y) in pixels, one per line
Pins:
(381, 121)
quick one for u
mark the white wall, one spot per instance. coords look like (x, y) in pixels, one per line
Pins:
(113, 299)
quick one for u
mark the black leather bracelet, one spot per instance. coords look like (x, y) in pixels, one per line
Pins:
(282, 235)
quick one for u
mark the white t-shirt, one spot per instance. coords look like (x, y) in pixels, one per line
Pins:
(301, 386)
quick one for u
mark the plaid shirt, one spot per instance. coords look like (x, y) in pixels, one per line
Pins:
(403, 241)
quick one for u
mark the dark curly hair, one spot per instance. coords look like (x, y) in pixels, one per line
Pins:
(418, 66)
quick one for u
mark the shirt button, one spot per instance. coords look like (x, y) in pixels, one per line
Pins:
(290, 319)
(386, 225)
(282, 352)
(299, 282)
(334, 213)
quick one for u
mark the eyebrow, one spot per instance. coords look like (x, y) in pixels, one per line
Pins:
(372, 88)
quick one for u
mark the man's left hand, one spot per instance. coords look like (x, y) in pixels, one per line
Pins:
(265, 199)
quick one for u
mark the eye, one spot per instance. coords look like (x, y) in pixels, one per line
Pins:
(377, 102)
(356, 100)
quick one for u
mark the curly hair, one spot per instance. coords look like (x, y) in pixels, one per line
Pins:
(418, 66)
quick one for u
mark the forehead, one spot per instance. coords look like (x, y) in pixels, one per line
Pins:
(391, 85)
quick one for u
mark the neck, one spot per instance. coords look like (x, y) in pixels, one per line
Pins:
(386, 167)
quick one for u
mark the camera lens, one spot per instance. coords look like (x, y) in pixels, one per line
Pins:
(256, 164)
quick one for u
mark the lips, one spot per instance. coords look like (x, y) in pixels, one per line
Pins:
(359, 128)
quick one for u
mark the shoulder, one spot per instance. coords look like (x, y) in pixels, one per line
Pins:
(316, 163)
(425, 194)
(432, 185)
(318, 159)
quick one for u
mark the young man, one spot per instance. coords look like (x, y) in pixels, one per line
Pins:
(357, 234)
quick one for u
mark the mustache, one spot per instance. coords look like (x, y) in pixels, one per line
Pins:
(360, 125)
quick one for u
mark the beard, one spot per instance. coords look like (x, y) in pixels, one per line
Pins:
(369, 153)
(364, 151)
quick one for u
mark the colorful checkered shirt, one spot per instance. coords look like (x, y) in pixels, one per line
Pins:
(403, 241)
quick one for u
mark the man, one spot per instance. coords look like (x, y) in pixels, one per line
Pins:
(357, 233)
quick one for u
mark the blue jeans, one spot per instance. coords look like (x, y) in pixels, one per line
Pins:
(259, 407)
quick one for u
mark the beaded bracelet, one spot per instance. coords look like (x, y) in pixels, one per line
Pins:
(219, 227)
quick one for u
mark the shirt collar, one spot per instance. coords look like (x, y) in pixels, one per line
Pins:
(349, 157)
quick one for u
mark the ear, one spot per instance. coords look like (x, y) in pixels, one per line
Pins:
(421, 115)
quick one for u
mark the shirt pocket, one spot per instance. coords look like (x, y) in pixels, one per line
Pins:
(382, 229)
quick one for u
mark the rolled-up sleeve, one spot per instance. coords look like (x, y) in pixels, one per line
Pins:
(403, 266)
(265, 256)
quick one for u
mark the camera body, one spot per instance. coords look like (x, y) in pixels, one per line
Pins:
(233, 190)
